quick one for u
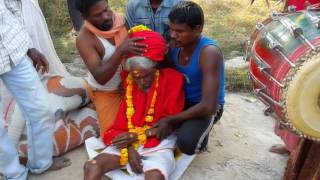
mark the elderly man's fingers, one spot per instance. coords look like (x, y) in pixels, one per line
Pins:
(139, 168)
(120, 146)
(133, 165)
(119, 142)
(120, 137)
(123, 143)
(136, 165)
(125, 137)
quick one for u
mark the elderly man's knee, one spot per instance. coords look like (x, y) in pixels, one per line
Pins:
(186, 145)
(154, 175)
(91, 168)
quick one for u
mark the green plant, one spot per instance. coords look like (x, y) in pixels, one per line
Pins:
(238, 80)
(60, 27)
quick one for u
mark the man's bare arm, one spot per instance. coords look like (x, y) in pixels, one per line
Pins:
(210, 64)
(104, 71)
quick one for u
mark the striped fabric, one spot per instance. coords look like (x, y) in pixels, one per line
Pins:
(14, 40)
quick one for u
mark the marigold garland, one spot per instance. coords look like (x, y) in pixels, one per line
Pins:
(140, 131)
(139, 28)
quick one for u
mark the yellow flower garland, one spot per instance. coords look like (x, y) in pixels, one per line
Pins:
(140, 131)
(139, 28)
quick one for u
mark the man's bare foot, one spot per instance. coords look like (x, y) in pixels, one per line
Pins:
(59, 163)
(279, 149)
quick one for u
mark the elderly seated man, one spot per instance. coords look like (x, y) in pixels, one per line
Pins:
(150, 94)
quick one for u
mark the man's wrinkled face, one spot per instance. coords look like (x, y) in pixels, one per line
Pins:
(182, 34)
(142, 77)
(101, 16)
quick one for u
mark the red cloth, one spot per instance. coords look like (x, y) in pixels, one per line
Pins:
(301, 3)
(170, 101)
(290, 140)
(157, 46)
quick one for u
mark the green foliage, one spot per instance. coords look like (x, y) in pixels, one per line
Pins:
(238, 80)
(231, 22)
(118, 5)
(60, 27)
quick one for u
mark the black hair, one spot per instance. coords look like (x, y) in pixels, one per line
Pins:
(84, 5)
(187, 12)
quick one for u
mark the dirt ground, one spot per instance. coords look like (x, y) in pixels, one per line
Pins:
(238, 148)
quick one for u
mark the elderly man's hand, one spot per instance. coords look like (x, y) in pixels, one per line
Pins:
(134, 159)
(124, 140)
(164, 128)
(39, 60)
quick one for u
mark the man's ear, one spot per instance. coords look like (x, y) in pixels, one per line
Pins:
(199, 28)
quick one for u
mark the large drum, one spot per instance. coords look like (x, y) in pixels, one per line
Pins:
(285, 69)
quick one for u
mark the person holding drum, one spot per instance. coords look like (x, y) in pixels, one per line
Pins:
(201, 61)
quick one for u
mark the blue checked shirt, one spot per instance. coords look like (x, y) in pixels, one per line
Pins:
(140, 12)
(14, 40)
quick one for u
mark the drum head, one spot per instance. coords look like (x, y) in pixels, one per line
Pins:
(302, 97)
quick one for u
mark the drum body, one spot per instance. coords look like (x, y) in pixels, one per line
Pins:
(284, 63)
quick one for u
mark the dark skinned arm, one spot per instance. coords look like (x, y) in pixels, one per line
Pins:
(104, 71)
(210, 63)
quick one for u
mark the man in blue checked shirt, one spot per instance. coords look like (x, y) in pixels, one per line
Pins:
(151, 13)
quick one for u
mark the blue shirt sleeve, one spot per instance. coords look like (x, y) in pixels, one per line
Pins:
(130, 14)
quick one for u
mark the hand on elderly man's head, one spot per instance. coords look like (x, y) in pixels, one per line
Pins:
(132, 45)
(156, 46)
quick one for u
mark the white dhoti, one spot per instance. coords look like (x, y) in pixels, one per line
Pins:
(159, 158)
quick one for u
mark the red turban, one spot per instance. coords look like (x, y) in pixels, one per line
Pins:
(157, 46)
